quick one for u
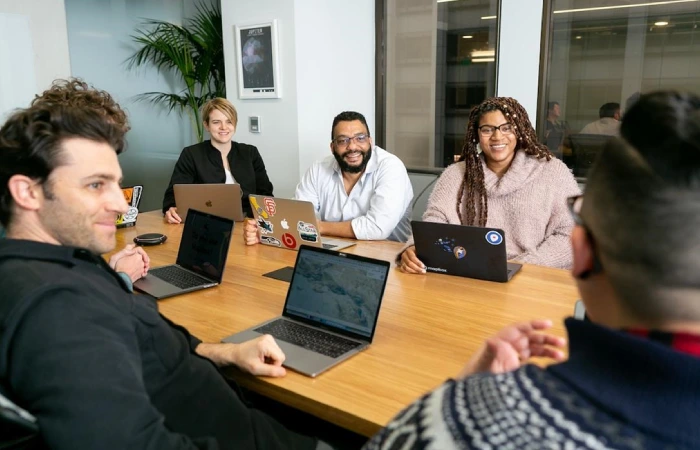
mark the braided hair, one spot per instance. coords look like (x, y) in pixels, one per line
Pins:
(473, 183)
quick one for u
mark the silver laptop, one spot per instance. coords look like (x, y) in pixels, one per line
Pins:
(223, 200)
(200, 260)
(331, 310)
(290, 223)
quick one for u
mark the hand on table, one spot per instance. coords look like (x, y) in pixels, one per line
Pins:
(171, 215)
(251, 233)
(132, 260)
(410, 262)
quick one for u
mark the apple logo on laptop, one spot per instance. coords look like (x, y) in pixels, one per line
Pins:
(284, 224)
(208, 203)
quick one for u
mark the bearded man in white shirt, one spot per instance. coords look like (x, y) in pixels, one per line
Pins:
(360, 192)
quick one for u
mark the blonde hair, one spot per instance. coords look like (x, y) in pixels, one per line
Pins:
(223, 105)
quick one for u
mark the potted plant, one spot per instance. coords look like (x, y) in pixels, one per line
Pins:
(194, 52)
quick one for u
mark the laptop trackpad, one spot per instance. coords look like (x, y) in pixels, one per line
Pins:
(283, 274)
(156, 287)
(297, 358)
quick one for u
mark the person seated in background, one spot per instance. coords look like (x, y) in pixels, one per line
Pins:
(132, 262)
(556, 130)
(609, 122)
(218, 160)
(632, 379)
(360, 192)
(95, 364)
(505, 179)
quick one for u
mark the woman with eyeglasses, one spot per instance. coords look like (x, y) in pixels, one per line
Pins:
(505, 179)
(218, 160)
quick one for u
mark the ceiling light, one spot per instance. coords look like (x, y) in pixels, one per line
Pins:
(636, 5)
(483, 54)
(482, 60)
(661, 23)
(578, 37)
(469, 36)
(488, 17)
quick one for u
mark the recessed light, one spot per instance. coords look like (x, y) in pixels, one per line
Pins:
(661, 23)
(488, 17)
(469, 36)
(578, 37)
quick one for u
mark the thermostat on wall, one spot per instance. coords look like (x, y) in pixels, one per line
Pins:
(254, 124)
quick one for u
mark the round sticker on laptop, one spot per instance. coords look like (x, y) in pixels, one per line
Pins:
(289, 241)
(459, 252)
(494, 237)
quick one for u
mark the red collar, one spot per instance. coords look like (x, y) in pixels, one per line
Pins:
(683, 342)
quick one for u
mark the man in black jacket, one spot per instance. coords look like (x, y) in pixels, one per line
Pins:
(98, 366)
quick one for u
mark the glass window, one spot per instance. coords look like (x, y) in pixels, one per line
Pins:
(440, 62)
(603, 54)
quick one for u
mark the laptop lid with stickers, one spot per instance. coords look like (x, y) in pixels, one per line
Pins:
(473, 252)
(287, 223)
(132, 195)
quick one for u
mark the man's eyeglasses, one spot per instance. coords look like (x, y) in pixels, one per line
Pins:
(345, 141)
(488, 130)
(575, 203)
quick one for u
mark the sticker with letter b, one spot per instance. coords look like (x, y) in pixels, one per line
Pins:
(289, 241)
(494, 237)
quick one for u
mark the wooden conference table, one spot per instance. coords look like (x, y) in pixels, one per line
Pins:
(429, 325)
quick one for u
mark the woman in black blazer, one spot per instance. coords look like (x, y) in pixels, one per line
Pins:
(219, 160)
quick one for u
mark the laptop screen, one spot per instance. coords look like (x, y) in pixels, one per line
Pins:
(337, 290)
(204, 244)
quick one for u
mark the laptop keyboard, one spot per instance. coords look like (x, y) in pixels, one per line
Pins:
(315, 340)
(179, 277)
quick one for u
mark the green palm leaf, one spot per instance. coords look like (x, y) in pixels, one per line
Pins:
(193, 52)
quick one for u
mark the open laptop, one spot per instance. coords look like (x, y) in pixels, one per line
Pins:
(290, 223)
(132, 195)
(223, 200)
(331, 310)
(200, 260)
(472, 252)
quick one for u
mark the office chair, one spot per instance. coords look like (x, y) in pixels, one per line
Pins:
(585, 148)
(18, 428)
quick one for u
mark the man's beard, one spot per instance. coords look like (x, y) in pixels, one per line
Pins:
(345, 167)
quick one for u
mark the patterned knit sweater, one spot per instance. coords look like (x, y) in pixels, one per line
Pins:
(528, 202)
(616, 391)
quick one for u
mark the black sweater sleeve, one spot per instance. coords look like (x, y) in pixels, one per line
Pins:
(184, 172)
(73, 366)
(262, 181)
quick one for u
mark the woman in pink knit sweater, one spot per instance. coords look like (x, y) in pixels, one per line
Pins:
(505, 179)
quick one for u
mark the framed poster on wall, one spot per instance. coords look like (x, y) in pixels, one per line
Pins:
(257, 60)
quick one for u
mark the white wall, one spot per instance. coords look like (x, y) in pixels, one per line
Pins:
(335, 69)
(327, 66)
(278, 142)
(41, 25)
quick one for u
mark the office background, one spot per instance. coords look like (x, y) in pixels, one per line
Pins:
(408, 65)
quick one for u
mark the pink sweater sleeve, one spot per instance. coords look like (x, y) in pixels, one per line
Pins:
(555, 249)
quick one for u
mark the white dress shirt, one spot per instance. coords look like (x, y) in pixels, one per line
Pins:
(379, 205)
(229, 177)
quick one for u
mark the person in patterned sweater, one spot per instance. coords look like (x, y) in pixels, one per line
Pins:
(632, 379)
